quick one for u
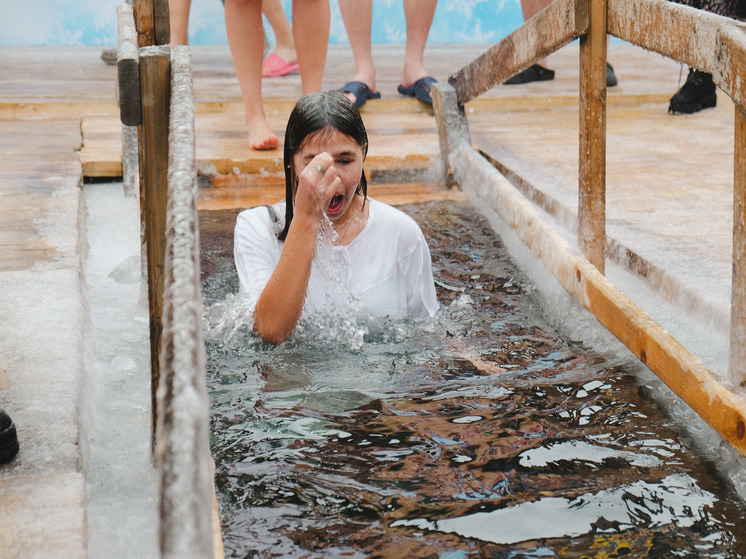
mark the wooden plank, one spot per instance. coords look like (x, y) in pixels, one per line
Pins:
(244, 192)
(711, 43)
(737, 348)
(403, 145)
(592, 156)
(143, 12)
(555, 26)
(128, 70)
(155, 81)
(453, 128)
(161, 23)
(723, 408)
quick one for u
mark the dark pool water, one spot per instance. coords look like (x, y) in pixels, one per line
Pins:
(482, 434)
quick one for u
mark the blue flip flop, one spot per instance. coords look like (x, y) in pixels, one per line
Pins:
(361, 91)
(419, 89)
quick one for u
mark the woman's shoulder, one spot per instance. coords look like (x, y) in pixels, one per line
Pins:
(272, 215)
(390, 226)
(384, 213)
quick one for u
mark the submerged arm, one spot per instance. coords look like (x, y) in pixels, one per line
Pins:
(279, 307)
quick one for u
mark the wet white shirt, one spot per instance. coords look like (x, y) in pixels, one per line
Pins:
(384, 271)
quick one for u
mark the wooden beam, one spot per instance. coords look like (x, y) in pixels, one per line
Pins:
(155, 81)
(453, 127)
(128, 68)
(555, 26)
(144, 22)
(161, 22)
(592, 157)
(722, 407)
(185, 472)
(737, 351)
(708, 42)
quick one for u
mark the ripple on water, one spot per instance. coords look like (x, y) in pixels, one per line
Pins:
(480, 434)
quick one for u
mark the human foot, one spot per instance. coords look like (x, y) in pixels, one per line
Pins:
(359, 93)
(260, 135)
(419, 89)
(534, 73)
(697, 93)
(275, 65)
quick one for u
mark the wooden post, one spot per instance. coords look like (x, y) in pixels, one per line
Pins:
(592, 165)
(155, 80)
(128, 68)
(558, 24)
(128, 77)
(143, 10)
(453, 128)
(737, 353)
(161, 23)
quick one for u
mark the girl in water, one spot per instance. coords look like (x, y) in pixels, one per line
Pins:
(380, 254)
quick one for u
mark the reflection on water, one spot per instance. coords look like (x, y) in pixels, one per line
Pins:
(482, 434)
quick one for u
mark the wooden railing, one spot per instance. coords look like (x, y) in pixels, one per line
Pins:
(710, 43)
(157, 96)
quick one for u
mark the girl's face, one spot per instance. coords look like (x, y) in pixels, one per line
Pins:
(348, 165)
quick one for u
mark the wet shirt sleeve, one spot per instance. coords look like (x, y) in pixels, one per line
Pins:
(418, 276)
(391, 271)
(256, 250)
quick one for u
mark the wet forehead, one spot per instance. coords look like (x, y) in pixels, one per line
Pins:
(333, 142)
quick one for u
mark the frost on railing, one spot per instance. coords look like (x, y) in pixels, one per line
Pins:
(182, 434)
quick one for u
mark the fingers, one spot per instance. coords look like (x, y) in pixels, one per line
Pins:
(318, 182)
(318, 167)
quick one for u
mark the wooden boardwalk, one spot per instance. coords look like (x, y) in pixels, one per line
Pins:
(669, 189)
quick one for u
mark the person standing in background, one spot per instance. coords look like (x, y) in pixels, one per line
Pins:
(415, 82)
(243, 22)
(283, 60)
(537, 72)
(245, 31)
(699, 92)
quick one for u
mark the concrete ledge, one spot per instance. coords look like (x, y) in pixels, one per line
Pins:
(42, 491)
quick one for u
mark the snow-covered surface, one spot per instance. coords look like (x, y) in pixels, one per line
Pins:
(115, 402)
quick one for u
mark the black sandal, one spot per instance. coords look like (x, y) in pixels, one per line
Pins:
(361, 91)
(533, 73)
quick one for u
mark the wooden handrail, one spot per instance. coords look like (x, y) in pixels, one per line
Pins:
(711, 43)
(555, 26)
(708, 42)
(188, 523)
(182, 436)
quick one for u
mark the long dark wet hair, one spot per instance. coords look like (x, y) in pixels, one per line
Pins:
(319, 113)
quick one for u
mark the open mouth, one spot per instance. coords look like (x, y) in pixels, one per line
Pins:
(335, 203)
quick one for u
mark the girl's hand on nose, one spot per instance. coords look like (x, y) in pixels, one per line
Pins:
(317, 184)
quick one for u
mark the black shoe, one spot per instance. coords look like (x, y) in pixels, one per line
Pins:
(8, 439)
(610, 76)
(696, 94)
(533, 73)
(109, 56)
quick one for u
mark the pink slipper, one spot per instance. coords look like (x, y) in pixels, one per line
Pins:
(274, 66)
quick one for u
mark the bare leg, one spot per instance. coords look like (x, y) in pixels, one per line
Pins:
(532, 7)
(311, 33)
(243, 23)
(419, 15)
(358, 18)
(275, 14)
(179, 20)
